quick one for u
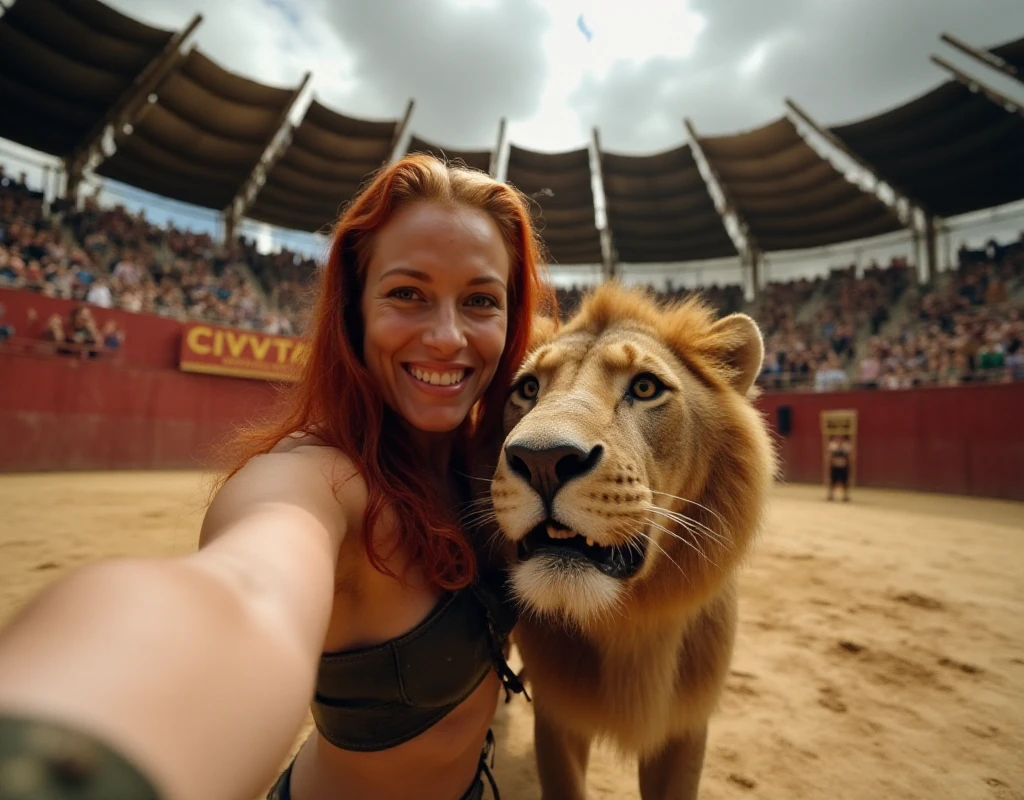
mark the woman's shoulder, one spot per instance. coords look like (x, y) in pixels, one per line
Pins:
(302, 468)
(306, 451)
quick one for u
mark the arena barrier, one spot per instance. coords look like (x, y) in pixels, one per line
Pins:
(965, 440)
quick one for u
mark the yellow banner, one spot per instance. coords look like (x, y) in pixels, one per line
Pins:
(218, 350)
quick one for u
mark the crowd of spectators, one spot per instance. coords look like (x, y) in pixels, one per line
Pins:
(111, 258)
(825, 333)
(965, 328)
(817, 345)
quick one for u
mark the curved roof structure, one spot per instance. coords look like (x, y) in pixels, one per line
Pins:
(329, 157)
(559, 184)
(477, 159)
(201, 139)
(790, 197)
(63, 65)
(951, 149)
(660, 210)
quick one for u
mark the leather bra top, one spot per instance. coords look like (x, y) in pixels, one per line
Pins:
(377, 697)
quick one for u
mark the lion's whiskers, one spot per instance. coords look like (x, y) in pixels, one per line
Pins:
(694, 526)
(693, 503)
(650, 539)
(695, 546)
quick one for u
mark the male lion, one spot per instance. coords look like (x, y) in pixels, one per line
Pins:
(633, 477)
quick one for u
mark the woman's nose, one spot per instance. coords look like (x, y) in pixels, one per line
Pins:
(444, 333)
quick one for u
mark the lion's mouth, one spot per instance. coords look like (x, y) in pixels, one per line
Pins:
(554, 540)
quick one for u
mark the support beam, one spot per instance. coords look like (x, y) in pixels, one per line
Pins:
(840, 145)
(931, 248)
(126, 110)
(608, 255)
(987, 58)
(725, 205)
(499, 148)
(913, 203)
(274, 149)
(975, 85)
(397, 149)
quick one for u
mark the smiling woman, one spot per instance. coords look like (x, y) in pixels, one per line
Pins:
(332, 568)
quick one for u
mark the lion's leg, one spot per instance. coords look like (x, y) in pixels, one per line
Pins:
(674, 773)
(562, 759)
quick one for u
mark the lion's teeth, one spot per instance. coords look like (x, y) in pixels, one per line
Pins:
(590, 542)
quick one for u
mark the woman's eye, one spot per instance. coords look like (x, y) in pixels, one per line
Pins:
(529, 388)
(646, 387)
(482, 301)
(403, 294)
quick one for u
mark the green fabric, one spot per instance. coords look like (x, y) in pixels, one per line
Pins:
(44, 760)
(378, 697)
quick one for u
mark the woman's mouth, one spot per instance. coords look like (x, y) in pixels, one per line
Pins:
(430, 377)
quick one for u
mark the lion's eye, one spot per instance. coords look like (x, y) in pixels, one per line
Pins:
(529, 388)
(646, 387)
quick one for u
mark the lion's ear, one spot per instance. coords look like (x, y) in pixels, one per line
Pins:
(739, 345)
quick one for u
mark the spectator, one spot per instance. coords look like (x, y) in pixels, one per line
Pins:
(113, 337)
(99, 294)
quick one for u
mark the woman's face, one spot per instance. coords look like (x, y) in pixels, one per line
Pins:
(435, 312)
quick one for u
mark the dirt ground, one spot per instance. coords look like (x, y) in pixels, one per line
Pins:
(880, 654)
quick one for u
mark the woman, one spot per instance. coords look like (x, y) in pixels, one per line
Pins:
(330, 560)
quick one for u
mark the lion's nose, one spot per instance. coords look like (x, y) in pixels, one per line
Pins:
(548, 468)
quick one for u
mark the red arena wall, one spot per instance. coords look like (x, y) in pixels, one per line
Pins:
(132, 411)
(957, 440)
(140, 411)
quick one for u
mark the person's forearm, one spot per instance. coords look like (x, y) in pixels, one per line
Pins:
(168, 665)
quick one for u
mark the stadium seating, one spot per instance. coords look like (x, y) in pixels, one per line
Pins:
(870, 328)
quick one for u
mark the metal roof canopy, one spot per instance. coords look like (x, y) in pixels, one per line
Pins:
(202, 135)
(64, 64)
(951, 148)
(789, 196)
(559, 183)
(322, 169)
(660, 210)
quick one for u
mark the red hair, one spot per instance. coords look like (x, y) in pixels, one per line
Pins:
(337, 399)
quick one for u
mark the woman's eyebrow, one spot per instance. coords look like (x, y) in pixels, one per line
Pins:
(412, 273)
(486, 279)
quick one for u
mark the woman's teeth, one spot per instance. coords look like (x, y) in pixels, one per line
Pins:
(438, 378)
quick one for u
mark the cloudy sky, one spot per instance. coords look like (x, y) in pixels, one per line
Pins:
(634, 69)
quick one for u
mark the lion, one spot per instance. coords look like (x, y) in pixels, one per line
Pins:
(632, 480)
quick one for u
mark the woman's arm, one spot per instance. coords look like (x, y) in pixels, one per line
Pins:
(199, 669)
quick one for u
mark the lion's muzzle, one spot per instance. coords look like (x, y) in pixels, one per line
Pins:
(548, 468)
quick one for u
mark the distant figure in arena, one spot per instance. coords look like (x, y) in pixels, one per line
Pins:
(839, 453)
(332, 569)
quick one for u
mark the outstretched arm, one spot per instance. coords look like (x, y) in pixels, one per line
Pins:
(198, 669)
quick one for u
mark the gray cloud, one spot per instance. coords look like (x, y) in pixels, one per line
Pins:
(841, 60)
(466, 66)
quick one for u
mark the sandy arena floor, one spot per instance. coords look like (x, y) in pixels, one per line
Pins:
(881, 647)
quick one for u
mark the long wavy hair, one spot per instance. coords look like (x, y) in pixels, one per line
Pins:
(337, 399)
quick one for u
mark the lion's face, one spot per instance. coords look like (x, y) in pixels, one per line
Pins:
(613, 436)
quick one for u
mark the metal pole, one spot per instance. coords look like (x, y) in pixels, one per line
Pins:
(986, 57)
(840, 145)
(976, 85)
(400, 129)
(276, 145)
(605, 233)
(931, 254)
(499, 148)
(750, 249)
